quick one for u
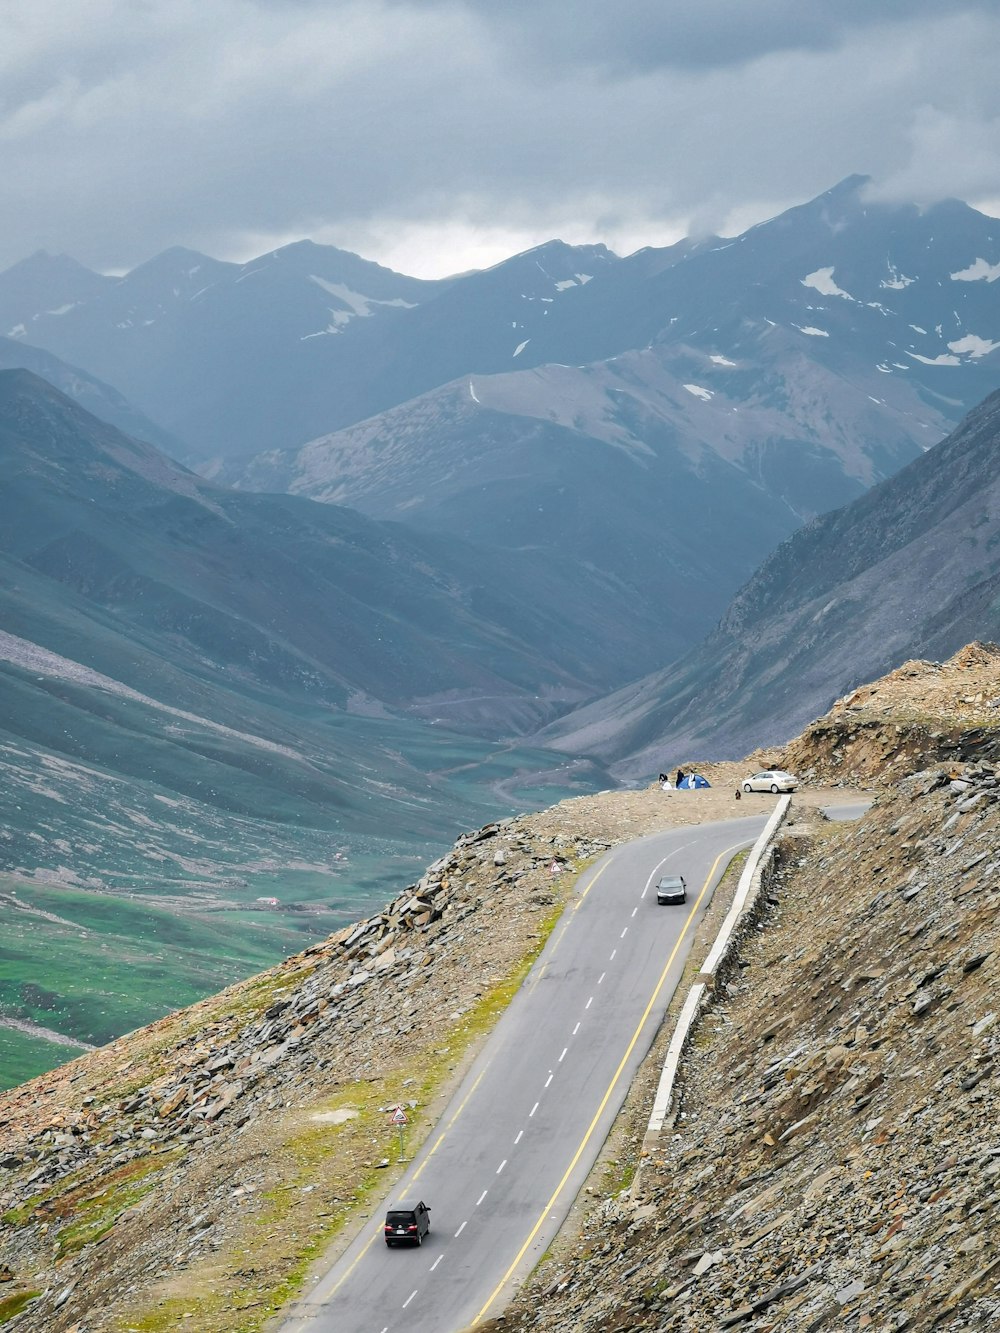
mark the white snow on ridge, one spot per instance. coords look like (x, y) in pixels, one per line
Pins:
(813, 332)
(521, 346)
(360, 305)
(18, 331)
(943, 360)
(63, 309)
(980, 271)
(722, 361)
(973, 347)
(472, 392)
(565, 284)
(699, 392)
(821, 280)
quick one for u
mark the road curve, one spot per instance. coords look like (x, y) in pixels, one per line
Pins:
(523, 1130)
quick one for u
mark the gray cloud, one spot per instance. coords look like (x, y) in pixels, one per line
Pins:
(684, 34)
(419, 131)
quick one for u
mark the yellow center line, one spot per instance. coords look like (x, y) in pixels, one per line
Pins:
(611, 1087)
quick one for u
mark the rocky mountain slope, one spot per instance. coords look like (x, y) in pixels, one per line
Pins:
(833, 1155)
(912, 568)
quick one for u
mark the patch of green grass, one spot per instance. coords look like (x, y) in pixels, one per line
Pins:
(23, 1056)
(13, 1305)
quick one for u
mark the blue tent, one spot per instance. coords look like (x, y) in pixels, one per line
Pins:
(693, 780)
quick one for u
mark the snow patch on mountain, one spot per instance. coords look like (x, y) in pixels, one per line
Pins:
(821, 280)
(360, 305)
(943, 360)
(896, 281)
(521, 346)
(979, 271)
(973, 346)
(722, 361)
(699, 392)
(811, 330)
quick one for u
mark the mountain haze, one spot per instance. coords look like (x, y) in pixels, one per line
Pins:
(909, 570)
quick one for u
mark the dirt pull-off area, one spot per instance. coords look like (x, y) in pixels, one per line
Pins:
(835, 1156)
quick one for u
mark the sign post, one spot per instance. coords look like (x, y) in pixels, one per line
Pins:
(399, 1119)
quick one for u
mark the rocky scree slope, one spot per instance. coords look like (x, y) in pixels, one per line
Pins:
(834, 1155)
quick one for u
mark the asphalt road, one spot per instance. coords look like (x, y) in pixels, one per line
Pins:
(519, 1138)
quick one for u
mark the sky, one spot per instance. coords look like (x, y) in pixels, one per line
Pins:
(440, 135)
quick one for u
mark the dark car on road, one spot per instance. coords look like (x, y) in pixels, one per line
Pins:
(407, 1223)
(671, 889)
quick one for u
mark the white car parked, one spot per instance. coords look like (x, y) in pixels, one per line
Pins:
(772, 779)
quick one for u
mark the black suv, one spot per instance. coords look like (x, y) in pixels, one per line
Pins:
(407, 1223)
(671, 889)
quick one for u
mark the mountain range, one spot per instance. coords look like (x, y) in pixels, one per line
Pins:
(645, 430)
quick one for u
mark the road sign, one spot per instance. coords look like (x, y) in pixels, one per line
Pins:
(399, 1116)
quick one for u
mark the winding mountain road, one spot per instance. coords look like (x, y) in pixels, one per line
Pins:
(516, 1143)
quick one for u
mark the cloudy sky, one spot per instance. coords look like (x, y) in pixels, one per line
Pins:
(438, 135)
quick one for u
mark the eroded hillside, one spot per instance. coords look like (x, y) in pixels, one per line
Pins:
(835, 1155)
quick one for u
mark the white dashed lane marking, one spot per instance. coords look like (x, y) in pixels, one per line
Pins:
(408, 1299)
(436, 1262)
(520, 1132)
(481, 1197)
(533, 1110)
(461, 1229)
(576, 1029)
(501, 1166)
